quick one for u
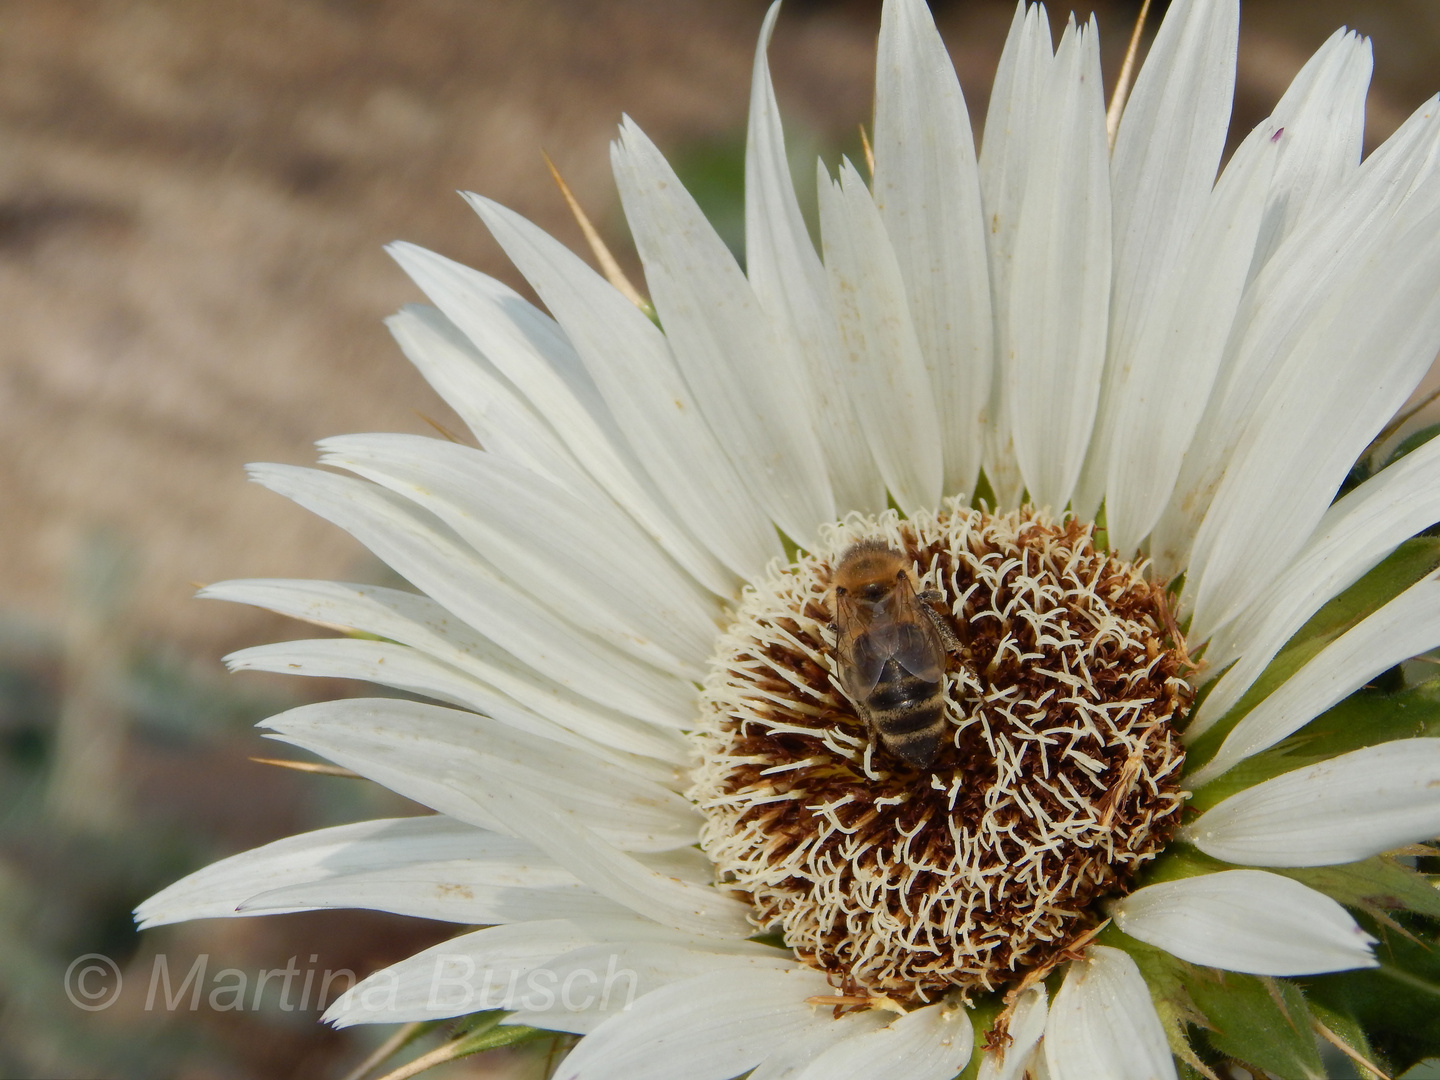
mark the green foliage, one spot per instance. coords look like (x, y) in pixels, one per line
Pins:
(1365, 718)
(1374, 886)
(1412, 442)
(1397, 1005)
(1347, 1029)
(483, 1031)
(1406, 565)
(1365, 468)
(1258, 1022)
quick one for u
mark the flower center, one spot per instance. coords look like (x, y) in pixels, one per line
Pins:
(1052, 774)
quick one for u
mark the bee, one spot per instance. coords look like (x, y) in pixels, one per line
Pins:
(891, 648)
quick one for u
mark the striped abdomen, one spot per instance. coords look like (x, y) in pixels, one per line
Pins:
(908, 713)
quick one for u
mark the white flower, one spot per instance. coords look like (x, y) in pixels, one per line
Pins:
(1204, 358)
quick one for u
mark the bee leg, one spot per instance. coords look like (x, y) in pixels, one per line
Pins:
(931, 596)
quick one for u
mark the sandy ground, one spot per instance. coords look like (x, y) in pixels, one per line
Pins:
(193, 199)
(193, 203)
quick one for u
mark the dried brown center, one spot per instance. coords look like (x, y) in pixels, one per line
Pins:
(1057, 776)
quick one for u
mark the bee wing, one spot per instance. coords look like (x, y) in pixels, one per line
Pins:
(910, 636)
(918, 648)
(898, 631)
(861, 658)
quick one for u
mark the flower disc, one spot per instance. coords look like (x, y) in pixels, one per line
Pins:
(1057, 776)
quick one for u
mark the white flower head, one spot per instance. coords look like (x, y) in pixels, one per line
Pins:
(725, 803)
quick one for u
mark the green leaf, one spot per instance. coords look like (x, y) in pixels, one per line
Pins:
(1373, 885)
(1347, 1029)
(1258, 1022)
(1396, 1004)
(1412, 442)
(495, 1036)
(1365, 718)
(1406, 565)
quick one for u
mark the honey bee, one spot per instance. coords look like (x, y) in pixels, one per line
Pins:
(891, 646)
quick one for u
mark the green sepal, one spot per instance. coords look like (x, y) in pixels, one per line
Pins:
(793, 551)
(1259, 1022)
(1406, 565)
(1365, 718)
(984, 496)
(482, 1031)
(1411, 443)
(1397, 1005)
(1176, 862)
(1374, 885)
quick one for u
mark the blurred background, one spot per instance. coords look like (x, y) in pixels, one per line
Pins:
(193, 199)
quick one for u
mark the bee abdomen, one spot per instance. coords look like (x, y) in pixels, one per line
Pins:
(908, 713)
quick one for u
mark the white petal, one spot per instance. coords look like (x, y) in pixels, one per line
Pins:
(885, 372)
(1102, 1023)
(1405, 627)
(790, 284)
(748, 387)
(1246, 920)
(1004, 167)
(1337, 811)
(437, 756)
(1182, 344)
(502, 421)
(1027, 1024)
(1356, 533)
(1321, 411)
(931, 1043)
(789, 1061)
(607, 869)
(1167, 152)
(430, 867)
(711, 1027)
(927, 187)
(576, 1000)
(1285, 301)
(630, 361)
(511, 966)
(419, 622)
(596, 568)
(533, 353)
(431, 557)
(404, 668)
(1060, 287)
(1323, 114)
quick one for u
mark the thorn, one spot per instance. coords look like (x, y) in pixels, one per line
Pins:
(1346, 1049)
(393, 1044)
(869, 153)
(441, 428)
(308, 767)
(1127, 74)
(608, 266)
